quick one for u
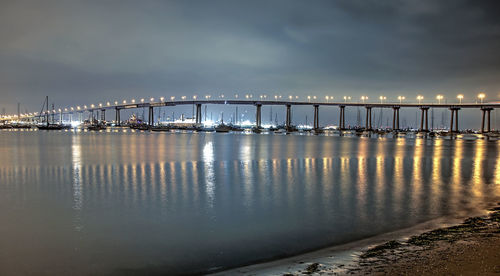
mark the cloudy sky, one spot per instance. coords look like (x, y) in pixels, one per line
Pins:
(82, 52)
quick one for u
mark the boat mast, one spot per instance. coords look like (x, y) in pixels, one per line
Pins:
(53, 113)
(47, 110)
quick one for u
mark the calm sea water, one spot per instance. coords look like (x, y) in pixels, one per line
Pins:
(117, 203)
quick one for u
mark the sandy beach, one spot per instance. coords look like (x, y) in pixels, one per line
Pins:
(470, 247)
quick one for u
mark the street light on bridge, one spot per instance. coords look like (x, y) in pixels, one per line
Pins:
(346, 98)
(401, 98)
(382, 98)
(481, 97)
(439, 98)
(460, 97)
(364, 98)
(420, 98)
(163, 98)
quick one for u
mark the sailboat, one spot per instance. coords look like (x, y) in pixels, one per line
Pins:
(222, 127)
(48, 125)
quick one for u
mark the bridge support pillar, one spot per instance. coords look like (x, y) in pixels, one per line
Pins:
(103, 115)
(368, 121)
(342, 117)
(424, 118)
(454, 118)
(258, 116)
(117, 117)
(395, 118)
(316, 117)
(198, 113)
(151, 119)
(486, 112)
(288, 122)
(489, 121)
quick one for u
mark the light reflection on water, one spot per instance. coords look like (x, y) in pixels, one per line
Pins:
(138, 202)
(77, 180)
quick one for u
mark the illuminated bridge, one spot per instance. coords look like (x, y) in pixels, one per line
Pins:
(116, 107)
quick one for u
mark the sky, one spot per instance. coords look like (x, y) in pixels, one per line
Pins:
(84, 52)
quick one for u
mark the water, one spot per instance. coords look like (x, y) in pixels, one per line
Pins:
(117, 203)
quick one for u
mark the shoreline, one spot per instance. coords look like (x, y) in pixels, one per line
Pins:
(364, 256)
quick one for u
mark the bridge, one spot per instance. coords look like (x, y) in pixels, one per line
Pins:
(485, 109)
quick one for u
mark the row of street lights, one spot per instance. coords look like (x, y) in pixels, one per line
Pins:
(382, 99)
(420, 98)
(363, 99)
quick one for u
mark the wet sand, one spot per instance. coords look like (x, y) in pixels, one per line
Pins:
(471, 247)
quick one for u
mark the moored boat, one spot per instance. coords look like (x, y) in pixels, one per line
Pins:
(223, 128)
(5, 126)
(257, 130)
(96, 127)
(161, 128)
(53, 127)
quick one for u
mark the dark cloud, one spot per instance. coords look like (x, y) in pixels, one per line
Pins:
(93, 51)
